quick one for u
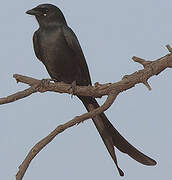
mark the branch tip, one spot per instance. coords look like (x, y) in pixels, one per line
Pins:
(143, 62)
(147, 85)
(169, 48)
(137, 59)
(15, 76)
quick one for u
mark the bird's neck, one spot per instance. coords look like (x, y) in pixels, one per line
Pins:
(51, 23)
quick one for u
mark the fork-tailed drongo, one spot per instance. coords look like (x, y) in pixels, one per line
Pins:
(57, 47)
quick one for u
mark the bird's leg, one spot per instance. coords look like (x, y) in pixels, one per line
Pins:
(73, 87)
(45, 82)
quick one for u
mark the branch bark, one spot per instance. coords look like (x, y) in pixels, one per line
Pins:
(151, 68)
(59, 129)
(112, 90)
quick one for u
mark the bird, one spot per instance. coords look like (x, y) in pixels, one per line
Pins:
(58, 48)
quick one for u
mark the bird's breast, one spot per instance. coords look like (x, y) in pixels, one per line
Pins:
(58, 58)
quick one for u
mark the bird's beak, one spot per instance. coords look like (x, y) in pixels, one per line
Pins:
(34, 12)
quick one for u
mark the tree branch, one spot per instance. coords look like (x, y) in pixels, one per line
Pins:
(59, 129)
(150, 69)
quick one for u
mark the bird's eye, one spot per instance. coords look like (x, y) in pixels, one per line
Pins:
(45, 12)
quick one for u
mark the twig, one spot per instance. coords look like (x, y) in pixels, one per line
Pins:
(18, 95)
(169, 48)
(151, 68)
(59, 129)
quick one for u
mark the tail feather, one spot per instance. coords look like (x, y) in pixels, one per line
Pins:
(111, 137)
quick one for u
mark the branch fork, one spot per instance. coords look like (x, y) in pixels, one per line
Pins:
(150, 68)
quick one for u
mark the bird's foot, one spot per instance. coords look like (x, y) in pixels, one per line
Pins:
(43, 85)
(53, 80)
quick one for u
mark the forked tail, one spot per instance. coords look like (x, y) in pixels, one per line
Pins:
(111, 137)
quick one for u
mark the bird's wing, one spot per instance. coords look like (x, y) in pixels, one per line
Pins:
(36, 45)
(73, 44)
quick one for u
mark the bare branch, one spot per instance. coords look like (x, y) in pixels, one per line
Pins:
(59, 129)
(151, 68)
(18, 95)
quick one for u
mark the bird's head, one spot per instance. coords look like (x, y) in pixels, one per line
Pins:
(47, 14)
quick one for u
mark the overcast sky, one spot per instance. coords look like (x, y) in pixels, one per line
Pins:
(110, 33)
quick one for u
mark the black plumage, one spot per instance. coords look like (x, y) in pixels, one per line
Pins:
(57, 47)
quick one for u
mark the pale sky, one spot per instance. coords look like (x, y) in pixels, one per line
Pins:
(110, 33)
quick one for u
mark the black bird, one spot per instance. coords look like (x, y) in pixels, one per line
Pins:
(58, 48)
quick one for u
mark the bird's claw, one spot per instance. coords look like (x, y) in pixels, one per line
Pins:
(43, 85)
(45, 82)
(54, 80)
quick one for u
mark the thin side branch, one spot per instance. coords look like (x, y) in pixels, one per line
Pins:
(151, 68)
(141, 61)
(59, 129)
(18, 95)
